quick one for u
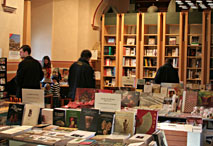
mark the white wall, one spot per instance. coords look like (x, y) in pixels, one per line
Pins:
(41, 28)
(10, 23)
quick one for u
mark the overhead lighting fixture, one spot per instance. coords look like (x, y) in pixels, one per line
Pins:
(199, 1)
(191, 4)
(194, 7)
(180, 3)
(208, 1)
(210, 4)
(203, 6)
(188, 1)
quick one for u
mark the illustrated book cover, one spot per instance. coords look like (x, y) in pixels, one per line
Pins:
(146, 121)
(31, 115)
(89, 119)
(15, 114)
(59, 116)
(72, 118)
(124, 122)
(106, 122)
(84, 94)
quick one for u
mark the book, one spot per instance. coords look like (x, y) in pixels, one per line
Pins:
(160, 138)
(75, 141)
(89, 119)
(146, 121)
(47, 116)
(106, 122)
(205, 98)
(194, 40)
(31, 115)
(82, 134)
(189, 101)
(151, 40)
(88, 142)
(148, 88)
(117, 137)
(129, 98)
(140, 138)
(14, 131)
(59, 116)
(124, 122)
(137, 144)
(15, 114)
(172, 41)
(130, 41)
(72, 118)
(85, 94)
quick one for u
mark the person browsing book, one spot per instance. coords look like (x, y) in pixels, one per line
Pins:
(167, 73)
(81, 74)
(29, 73)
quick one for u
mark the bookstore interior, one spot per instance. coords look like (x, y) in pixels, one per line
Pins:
(131, 40)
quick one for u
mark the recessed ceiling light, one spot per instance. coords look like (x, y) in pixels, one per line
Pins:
(179, 2)
(188, 1)
(190, 4)
(203, 6)
(210, 4)
(194, 7)
(199, 1)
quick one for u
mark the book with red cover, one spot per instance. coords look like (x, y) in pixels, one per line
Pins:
(104, 91)
(146, 121)
(85, 94)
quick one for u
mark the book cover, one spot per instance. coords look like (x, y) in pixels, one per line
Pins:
(140, 137)
(106, 122)
(124, 122)
(14, 131)
(47, 116)
(89, 119)
(151, 41)
(104, 91)
(72, 118)
(82, 134)
(172, 41)
(129, 98)
(205, 98)
(189, 101)
(31, 115)
(59, 116)
(146, 121)
(85, 94)
(15, 114)
(75, 141)
(130, 41)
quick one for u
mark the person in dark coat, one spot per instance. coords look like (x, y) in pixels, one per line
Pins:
(167, 74)
(81, 74)
(29, 73)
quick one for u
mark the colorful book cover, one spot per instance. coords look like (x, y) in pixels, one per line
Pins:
(89, 119)
(146, 121)
(84, 94)
(59, 116)
(189, 101)
(124, 122)
(205, 98)
(15, 114)
(31, 115)
(104, 91)
(106, 122)
(72, 118)
(129, 98)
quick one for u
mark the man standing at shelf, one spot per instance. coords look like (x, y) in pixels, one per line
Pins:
(167, 73)
(81, 74)
(29, 73)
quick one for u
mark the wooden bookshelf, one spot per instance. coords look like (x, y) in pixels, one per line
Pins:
(109, 53)
(129, 48)
(194, 47)
(173, 40)
(209, 54)
(151, 32)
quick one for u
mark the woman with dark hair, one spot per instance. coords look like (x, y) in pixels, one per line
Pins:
(46, 67)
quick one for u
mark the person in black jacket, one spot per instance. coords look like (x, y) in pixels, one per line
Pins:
(81, 74)
(29, 73)
(167, 74)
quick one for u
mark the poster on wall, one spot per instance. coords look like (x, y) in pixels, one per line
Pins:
(14, 45)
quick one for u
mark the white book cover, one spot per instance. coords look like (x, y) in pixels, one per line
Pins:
(82, 134)
(47, 116)
(107, 101)
(146, 138)
(31, 115)
(14, 131)
(137, 144)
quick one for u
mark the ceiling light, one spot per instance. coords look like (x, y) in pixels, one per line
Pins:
(210, 4)
(188, 1)
(208, 0)
(190, 4)
(194, 7)
(179, 2)
(203, 6)
(199, 1)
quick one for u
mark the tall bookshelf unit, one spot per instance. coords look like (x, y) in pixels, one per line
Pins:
(109, 54)
(173, 40)
(210, 48)
(3, 77)
(194, 47)
(129, 48)
(150, 45)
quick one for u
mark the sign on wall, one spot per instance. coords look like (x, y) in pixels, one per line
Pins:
(14, 45)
